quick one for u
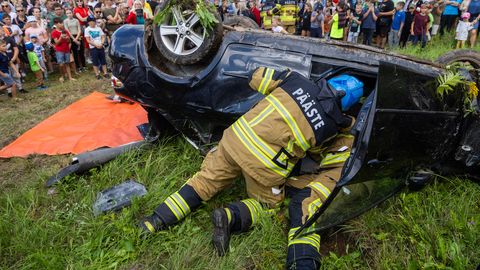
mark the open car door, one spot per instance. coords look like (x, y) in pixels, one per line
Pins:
(402, 127)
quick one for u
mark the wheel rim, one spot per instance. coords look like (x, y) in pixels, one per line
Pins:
(182, 32)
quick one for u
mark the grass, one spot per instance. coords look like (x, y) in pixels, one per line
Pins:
(435, 48)
(436, 228)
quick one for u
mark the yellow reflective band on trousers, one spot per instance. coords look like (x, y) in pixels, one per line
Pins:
(287, 117)
(320, 188)
(336, 158)
(266, 81)
(177, 205)
(256, 146)
(312, 239)
(261, 116)
(229, 215)
(314, 206)
(255, 208)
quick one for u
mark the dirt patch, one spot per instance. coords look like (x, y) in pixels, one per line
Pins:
(337, 241)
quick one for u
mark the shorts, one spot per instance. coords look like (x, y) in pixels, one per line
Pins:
(383, 30)
(8, 80)
(98, 57)
(435, 28)
(62, 57)
(472, 18)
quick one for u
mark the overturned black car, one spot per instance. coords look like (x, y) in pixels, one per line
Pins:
(404, 132)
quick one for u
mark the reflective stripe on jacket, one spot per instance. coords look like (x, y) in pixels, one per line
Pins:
(269, 139)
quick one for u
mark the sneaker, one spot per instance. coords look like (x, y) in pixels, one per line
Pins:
(23, 91)
(221, 231)
(106, 76)
(99, 77)
(151, 224)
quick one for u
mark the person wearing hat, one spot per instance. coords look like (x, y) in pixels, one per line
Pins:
(463, 27)
(40, 52)
(35, 66)
(35, 29)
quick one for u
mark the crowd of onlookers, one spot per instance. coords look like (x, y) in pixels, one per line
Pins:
(392, 22)
(38, 36)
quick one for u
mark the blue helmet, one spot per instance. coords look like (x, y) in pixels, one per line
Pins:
(29, 46)
(351, 87)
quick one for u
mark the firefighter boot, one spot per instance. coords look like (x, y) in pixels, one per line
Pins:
(151, 224)
(221, 230)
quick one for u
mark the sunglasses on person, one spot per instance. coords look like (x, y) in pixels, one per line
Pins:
(4, 5)
(19, 10)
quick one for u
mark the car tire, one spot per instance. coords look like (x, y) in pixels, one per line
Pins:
(470, 56)
(183, 42)
(242, 21)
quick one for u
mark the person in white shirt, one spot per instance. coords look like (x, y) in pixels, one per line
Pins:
(16, 32)
(95, 39)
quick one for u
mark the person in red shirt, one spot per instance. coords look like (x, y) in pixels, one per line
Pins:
(81, 12)
(419, 26)
(61, 37)
(255, 11)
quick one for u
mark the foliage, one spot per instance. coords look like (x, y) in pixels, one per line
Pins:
(455, 80)
(204, 11)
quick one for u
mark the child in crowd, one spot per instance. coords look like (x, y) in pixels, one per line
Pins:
(277, 26)
(405, 32)
(355, 23)
(397, 25)
(40, 52)
(430, 21)
(463, 27)
(438, 8)
(338, 22)
(5, 65)
(419, 27)
(328, 14)
(369, 18)
(95, 39)
(37, 69)
(61, 37)
(317, 26)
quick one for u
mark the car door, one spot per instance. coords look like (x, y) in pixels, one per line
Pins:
(402, 127)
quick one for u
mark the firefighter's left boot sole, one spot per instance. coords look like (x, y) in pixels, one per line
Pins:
(221, 231)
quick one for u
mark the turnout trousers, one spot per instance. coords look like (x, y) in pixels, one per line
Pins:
(218, 171)
(307, 192)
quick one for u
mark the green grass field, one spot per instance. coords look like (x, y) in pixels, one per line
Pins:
(436, 228)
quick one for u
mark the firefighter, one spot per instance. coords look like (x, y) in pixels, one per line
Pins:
(296, 117)
(269, 9)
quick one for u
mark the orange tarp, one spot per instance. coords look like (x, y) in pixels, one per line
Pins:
(87, 124)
